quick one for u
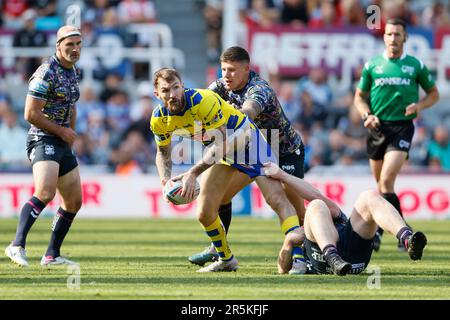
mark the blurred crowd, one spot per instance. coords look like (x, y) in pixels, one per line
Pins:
(324, 13)
(330, 126)
(113, 114)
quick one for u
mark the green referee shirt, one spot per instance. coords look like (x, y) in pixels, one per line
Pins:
(394, 84)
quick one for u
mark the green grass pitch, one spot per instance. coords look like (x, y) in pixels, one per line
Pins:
(146, 259)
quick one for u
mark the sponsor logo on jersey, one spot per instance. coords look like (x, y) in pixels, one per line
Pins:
(392, 81)
(408, 69)
(38, 85)
(378, 69)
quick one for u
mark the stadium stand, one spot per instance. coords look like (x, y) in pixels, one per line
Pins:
(125, 41)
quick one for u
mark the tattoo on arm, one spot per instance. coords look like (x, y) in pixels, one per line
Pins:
(164, 162)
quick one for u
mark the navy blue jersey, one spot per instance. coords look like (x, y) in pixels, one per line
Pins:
(59, 87)
(272, 115)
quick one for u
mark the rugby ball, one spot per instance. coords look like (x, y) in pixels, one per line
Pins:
(173, 189)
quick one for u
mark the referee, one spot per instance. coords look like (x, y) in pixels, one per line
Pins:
(393, 80)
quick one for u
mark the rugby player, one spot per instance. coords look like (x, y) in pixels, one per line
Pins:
(203, 115)
(50, 108)
(335, 244)
(249, 93)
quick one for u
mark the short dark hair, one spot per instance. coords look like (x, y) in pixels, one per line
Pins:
(397, 22)
(166, 74)
(235, 54)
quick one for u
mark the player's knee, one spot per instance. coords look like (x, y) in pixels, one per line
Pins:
(202, 218)
(45, 195)
(316, 206)
(75, 206)
(206, 214)
(369, 195)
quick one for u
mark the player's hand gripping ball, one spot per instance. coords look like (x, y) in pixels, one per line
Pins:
(173, 189)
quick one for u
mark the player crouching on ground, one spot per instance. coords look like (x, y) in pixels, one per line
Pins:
(335, 244)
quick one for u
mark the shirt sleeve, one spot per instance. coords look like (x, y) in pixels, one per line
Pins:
(40, 84)
(365, 82)
(214, 86)
(162, 138)
(424, 78)
(261, 94)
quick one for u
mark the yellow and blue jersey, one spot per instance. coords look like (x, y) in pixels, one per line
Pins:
(205, 110)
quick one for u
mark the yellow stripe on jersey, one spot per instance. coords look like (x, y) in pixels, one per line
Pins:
(204, 110)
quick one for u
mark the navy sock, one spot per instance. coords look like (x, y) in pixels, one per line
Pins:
(30, 212)
(393, 199)
(329, 250)
(225, 213)
(61, 225)
(403, 234)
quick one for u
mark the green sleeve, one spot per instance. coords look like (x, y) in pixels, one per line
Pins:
(365, 83)
(425, 79)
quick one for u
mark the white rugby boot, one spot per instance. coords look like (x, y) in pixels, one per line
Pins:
(221, 266)
(17, 254)
(48, 261)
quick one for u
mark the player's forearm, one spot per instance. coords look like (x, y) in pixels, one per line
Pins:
(208, 159)
(163, 163)
(215, 151)
(38, 119)
(305, 190)
(73, 120)
(360, 103)
(431, 98)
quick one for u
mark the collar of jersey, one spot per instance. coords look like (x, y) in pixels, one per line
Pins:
(403, 56)
(59, 63)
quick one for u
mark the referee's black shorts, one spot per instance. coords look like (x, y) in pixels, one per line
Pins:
(390, 135)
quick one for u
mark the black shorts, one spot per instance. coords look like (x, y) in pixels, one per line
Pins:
(351, 247)
(391, 135)
(50, 148)
(294, 163)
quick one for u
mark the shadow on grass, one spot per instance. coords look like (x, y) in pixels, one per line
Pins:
(234, 280)
(143, 242)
